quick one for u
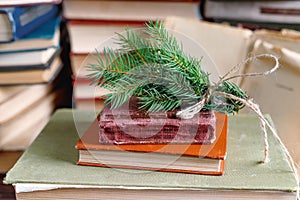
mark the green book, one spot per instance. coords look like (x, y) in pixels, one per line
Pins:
(48, 169)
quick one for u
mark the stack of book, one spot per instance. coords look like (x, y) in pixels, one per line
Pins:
(92, 25)
(32, 74)
(156, 171)
(160, 141)
(253, 14)
(47, 169)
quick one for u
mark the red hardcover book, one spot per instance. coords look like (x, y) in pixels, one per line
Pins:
(206, 159)
(130, 125)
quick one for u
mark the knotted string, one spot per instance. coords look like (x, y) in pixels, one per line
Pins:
(189, 112)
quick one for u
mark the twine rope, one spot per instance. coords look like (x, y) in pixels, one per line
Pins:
(189, 112)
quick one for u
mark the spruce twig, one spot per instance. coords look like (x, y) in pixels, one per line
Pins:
(155, 69)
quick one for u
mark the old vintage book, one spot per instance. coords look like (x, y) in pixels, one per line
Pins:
(128, 10)
(46, 36)
(49, 171)
(20, 132)
(28, 60)
(85, 37)
(19, 125)
(264, 13)
(16, 22)
(32, 76)
(130, 125)
(188, 158)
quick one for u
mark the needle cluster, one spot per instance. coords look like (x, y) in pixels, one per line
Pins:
(153, 67)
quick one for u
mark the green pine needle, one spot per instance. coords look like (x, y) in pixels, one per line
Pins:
(155, 69)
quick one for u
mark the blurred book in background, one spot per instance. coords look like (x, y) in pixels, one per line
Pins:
(92, 24)
(253, 14)
(34, 78)
(17, 22)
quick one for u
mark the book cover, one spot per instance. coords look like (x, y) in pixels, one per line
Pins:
(48, 169)
(21, 21)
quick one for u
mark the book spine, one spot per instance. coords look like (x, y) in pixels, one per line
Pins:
(204, 135)
(160, 131)
(27, 19)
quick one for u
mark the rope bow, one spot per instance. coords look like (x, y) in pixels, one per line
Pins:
(189, 112)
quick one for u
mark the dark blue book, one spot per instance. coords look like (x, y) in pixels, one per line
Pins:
(17, 22)
(47, 35)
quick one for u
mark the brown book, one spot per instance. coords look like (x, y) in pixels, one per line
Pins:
(188, 158)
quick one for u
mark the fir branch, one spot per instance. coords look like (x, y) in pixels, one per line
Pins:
(157, 71)
(160, 83)
(174, 53)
